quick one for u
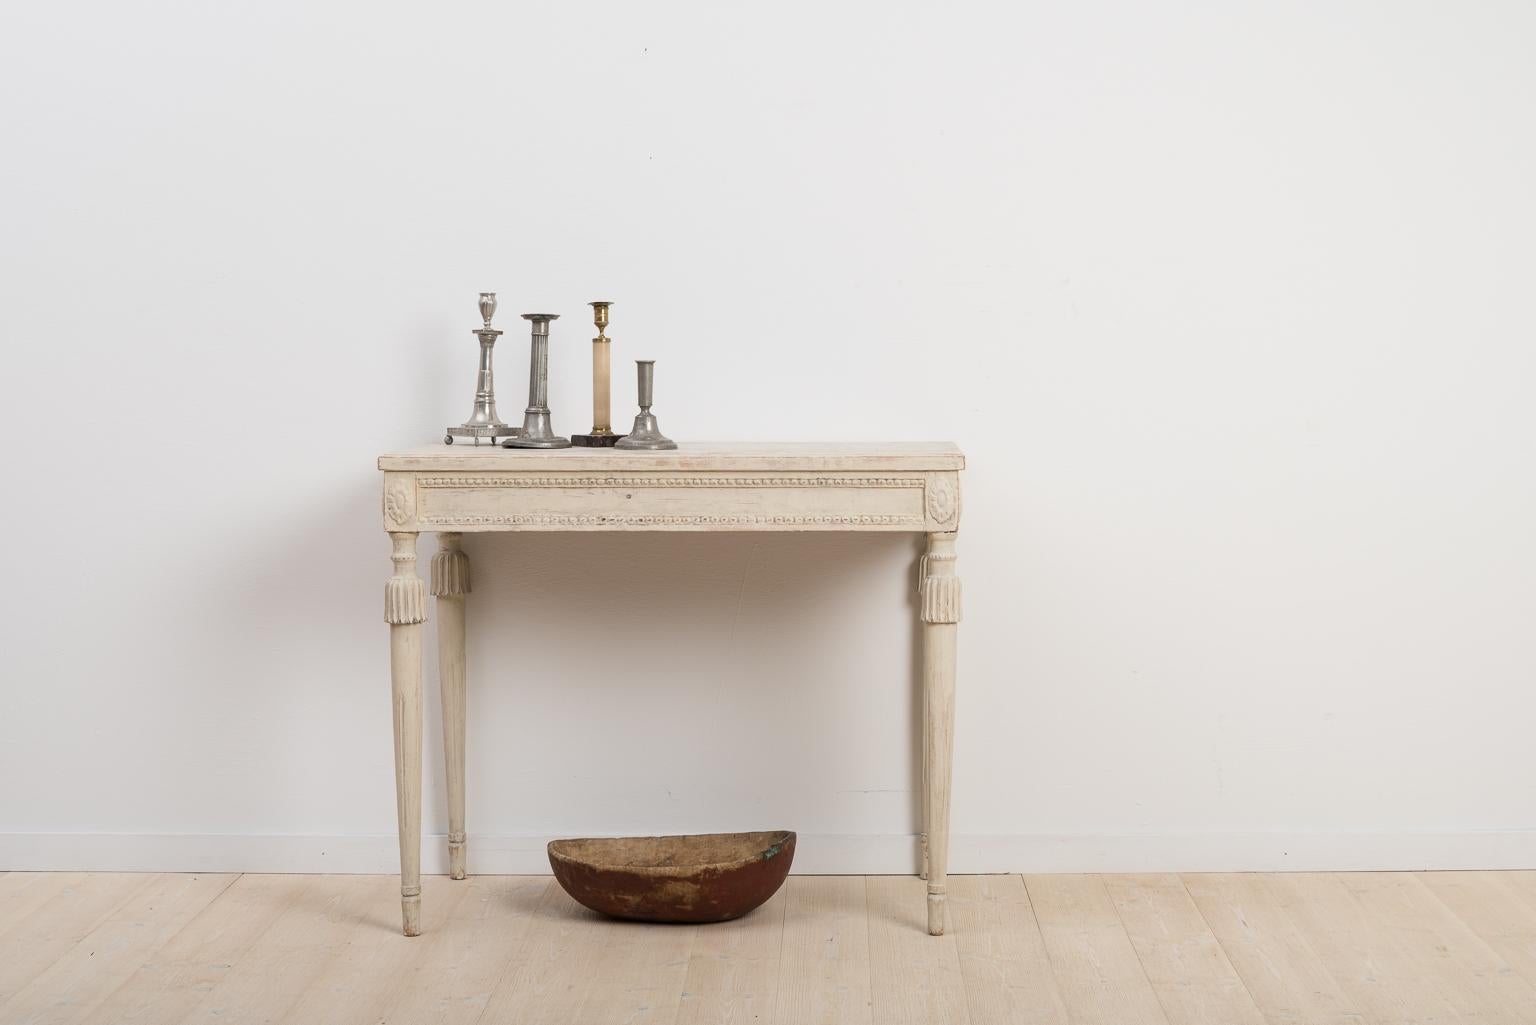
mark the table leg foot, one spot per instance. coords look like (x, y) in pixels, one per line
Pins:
(936, 903)
(410, 911)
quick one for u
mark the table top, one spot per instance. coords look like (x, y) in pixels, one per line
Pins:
(707, 455)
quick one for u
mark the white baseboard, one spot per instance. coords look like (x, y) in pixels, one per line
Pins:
(819, 854)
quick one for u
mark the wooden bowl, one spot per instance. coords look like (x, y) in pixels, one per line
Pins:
(710, 877)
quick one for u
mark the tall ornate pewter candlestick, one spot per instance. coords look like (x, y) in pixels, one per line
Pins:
(537, 433)
(645, 435)
(483, 422)
(602, 435)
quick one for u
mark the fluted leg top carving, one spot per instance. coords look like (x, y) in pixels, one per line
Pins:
(940, 590)
(450, 566)
(405, 596)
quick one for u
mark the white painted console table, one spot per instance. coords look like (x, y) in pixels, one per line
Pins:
(912, 487)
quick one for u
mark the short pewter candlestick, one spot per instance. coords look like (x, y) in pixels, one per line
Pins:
(483, 422)
(537, 433)
(645, 435)
(602, 435)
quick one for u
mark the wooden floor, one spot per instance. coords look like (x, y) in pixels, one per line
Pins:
(1382, 948)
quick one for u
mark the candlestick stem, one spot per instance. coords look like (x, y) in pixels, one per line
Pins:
(601, 423)
(537, 432)
(646, 370)
(602, 435)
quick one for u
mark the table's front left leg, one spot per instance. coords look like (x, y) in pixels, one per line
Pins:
(405, 609)
(941, 616)
(450, 584)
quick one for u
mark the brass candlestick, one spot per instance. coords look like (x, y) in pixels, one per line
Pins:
(483, 422)
(602, 435)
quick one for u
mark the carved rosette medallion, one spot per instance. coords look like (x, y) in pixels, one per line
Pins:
(399, 501)
(943, 500)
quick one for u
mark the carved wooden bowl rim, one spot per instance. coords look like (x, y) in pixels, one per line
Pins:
(668, 856)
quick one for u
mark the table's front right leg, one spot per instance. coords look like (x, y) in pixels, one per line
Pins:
(405, 609)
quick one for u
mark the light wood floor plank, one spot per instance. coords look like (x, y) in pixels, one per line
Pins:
(733, 969)
(296, 950)
(1002, 957)
(1522, 883)
(1352, 949)
(641, 967)
(824, 973)
(483, 940)
(1469, 974)
(551, 975)
(56, 924)
(1189, 972)
(178, 975)
(1491, 905)
(1387, 980)
(110, 953)
(644, 965)
(375, 961)
(22, 893)
(1097, 972)
(1285, 977)
(914, 977)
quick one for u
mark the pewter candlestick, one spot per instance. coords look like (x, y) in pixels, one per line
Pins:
(645, 434)
(483, 422)
(602, 435)
(537, 433)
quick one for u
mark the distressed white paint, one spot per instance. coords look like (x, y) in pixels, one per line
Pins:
(450, 583)
(822, 487)
(1227, 305)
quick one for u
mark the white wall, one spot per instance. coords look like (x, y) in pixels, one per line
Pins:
(1229, 305)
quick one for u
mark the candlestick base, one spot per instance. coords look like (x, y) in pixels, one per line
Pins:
(495, 432)
(646, 436)
(537, 433)
(595, 440)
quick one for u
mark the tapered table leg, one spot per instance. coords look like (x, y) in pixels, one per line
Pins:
(405, 609)
(922, 827)
(940, 610)
(450, 584)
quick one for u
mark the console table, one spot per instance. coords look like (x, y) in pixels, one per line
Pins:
(909, 486)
